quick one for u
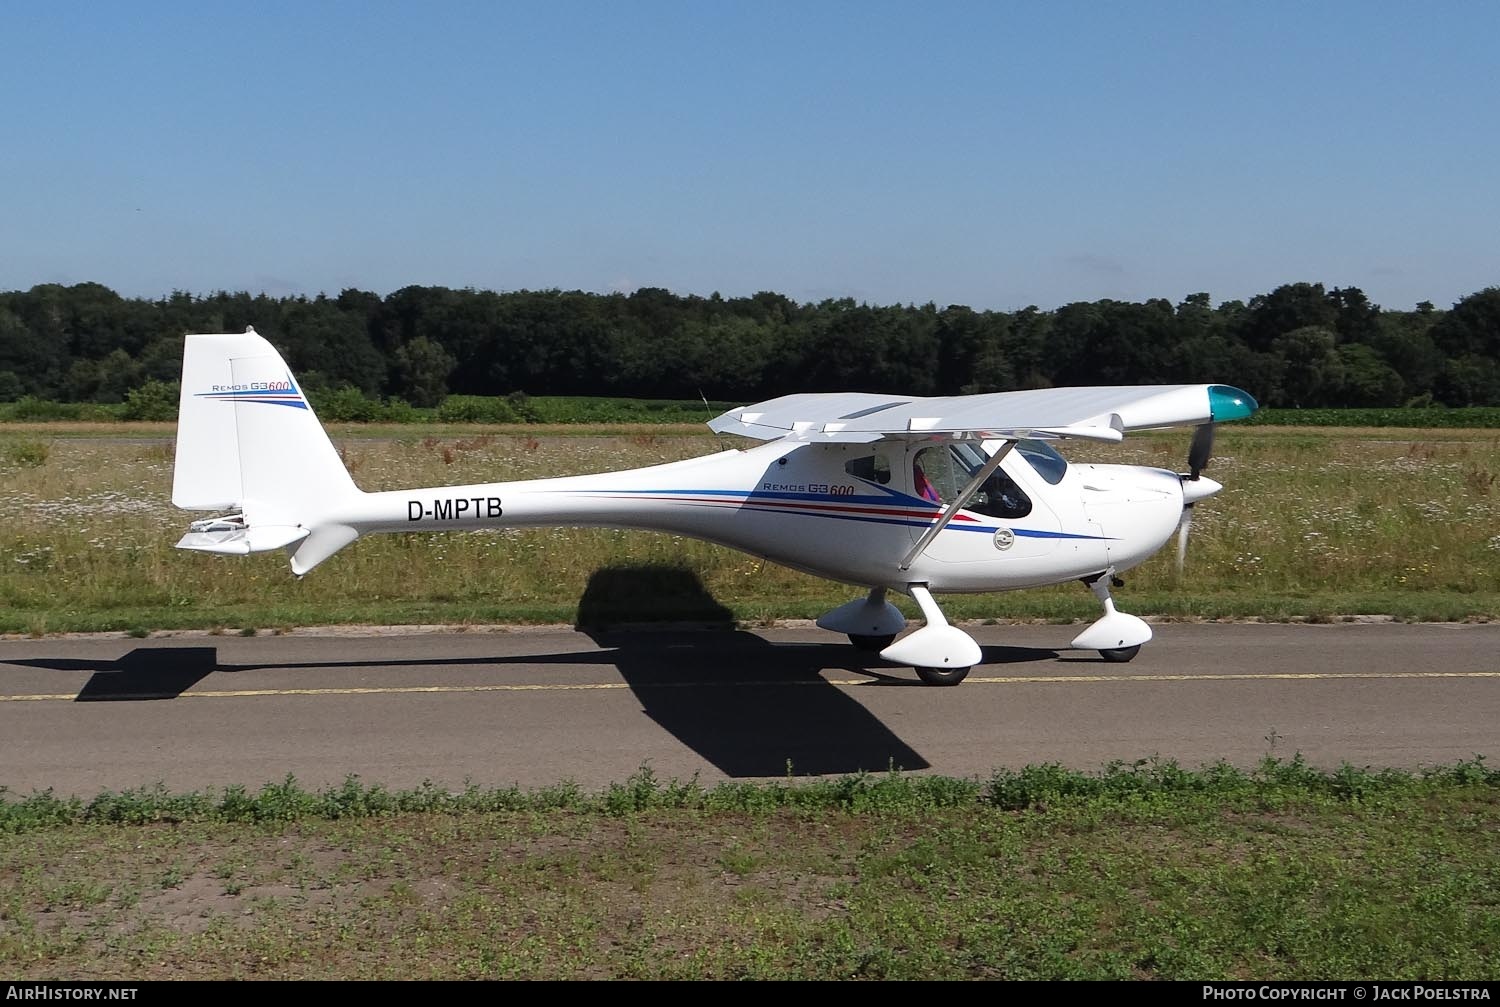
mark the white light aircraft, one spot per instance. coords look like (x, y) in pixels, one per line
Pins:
(918, 495)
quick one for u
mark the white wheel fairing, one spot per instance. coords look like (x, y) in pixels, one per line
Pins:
(935, 647)
(1113, 631)
(864, 617)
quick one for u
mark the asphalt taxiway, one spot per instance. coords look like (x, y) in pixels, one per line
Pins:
(533, 706)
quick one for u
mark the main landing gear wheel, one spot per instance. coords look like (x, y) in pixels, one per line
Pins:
(1120, 655)
(872, 644)
(942, 676)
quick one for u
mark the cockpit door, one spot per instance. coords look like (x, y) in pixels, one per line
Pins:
(1008, 518)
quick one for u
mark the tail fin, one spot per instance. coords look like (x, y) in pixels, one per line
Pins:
(248, 439)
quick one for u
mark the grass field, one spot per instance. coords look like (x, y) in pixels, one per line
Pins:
(1138, 872)
(1313, 523)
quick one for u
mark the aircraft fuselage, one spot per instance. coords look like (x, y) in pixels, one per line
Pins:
(841, 511)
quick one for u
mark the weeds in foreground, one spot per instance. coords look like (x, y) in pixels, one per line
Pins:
(1035, 786)
(1142, 870)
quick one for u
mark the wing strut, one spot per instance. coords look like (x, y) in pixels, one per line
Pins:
(987, 470)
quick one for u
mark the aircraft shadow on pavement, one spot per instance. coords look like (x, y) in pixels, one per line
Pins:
(750, 707)
(144, 673)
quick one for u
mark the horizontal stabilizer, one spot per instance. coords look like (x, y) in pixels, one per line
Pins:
(231, 536)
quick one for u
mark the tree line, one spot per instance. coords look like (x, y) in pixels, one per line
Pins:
(1300, 345)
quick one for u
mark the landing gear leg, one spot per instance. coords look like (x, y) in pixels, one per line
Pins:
(942, 654)
(1117, 636)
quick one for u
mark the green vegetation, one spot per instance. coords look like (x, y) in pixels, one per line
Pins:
(1144, 871)
(1429, 417)
(157, 401)
(27, 453)
(349, 406)
(1312, 523)
(1300, 345)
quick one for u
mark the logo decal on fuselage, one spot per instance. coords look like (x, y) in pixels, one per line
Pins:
(1004, 538)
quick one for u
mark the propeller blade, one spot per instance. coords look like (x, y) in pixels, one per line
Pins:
(1201, 449)
(1183, 527)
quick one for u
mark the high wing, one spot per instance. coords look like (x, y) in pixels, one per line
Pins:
(1101, 413)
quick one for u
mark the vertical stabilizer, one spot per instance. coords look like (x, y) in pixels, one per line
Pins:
(247, 438)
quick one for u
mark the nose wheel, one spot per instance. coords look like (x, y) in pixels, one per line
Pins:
(1117, 636)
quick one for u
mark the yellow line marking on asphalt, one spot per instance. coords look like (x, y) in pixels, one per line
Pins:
(397, 690)
(392, 690)
(1240, 677)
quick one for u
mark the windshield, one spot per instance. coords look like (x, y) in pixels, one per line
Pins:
(1043, 457)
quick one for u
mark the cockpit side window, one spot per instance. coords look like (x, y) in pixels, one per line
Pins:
(940, 473)
(1044, 458)
(872, 468)
(934, 476)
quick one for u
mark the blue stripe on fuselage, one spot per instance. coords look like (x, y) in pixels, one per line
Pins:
(765, 501)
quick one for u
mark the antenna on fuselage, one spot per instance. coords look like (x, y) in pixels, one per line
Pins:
(710, 410)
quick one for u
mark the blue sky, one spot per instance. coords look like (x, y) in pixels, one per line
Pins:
(990, 154)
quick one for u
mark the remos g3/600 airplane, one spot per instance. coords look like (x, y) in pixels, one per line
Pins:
(918, 495)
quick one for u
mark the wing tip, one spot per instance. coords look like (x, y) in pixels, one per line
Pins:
(1225, 403)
